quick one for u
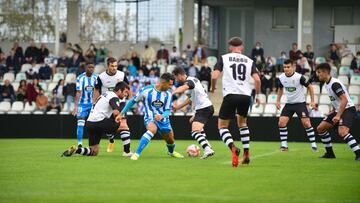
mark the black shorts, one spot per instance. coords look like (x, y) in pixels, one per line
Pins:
(234, 103)
(203, 115)
(97, 129)
(346, 119)
(298, 108)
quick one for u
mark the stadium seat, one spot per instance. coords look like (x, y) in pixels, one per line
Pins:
(319, 60)
(43, 85)
(211, 60)
(15, 85)
(51, 86)
(271, 99)
(64, 109)
(316, 89)
(354, 90)
(270, 109)
(283, 100)
(20, 76)
(9, 76)
(325, 109)
(344, 70)
(29, 108)
(258, 109)
(99, 68)
(16, 107)
(57, 77)
(308, 99)
(70, 78)
(5, 106)
(324, 99)
(354, 99)
(346, 61)
(262, 98)
(179, 113)
(344, 79)
(355, 80)
(25, 67)
(52, 112)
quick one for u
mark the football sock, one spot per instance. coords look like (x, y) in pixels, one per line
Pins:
(226, 137)
(326, 140)
(201, 139)
(245, 137)
(80, 130)
(145, 139)
(311, 136)
(111, 138)
(170, 147)
(352, 144)
(125, 137)
(86, 151)
(283, 136)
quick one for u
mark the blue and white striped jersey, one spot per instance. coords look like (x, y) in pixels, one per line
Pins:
(86, 85)
(155, 102)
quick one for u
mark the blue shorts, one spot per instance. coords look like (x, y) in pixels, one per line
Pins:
(83, 110)
(162, 126)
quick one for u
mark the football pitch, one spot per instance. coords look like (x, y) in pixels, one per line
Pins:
(32, 171)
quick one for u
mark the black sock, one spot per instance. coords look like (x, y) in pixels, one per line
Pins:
(125, 137)
(352, 144)
(200, 138)
(111, 138)
(245, 138)
(326, 140)
(226, 137)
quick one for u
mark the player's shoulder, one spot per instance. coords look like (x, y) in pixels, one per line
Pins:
(282, 76)
(120, 73)
(147, 88)
(81, 76)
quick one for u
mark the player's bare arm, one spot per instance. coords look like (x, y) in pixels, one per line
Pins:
(343, 102)
(181, 89)
(256, 78)
(77, 97)
(278, 98)
(182, 105)
(214, 76)
(312, 98)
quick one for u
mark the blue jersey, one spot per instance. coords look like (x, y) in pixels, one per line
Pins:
(155, 102)
(86, 85)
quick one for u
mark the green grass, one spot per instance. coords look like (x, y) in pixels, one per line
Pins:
(31, 170)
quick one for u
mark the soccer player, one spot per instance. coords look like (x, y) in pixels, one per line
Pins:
(85, 84)
(203, 107)
(104, 118)
(343, 116)
(157, 100)
(237, 70)
(106, 81)
(294, 84)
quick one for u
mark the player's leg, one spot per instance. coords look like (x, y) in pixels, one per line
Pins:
(226, 113)
(286, 113)
(168, 136)
(310, 132)
(81, 118)
(344, 131)
(124, 133)
(322, 131)
(243, 105)
(145, 139)
(111, 145)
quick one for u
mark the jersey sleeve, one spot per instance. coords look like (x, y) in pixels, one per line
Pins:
(139, 96)
(125, 79)
(98, 83)
(254, 69)
(115, 103)
(78, 84)
(304, 82)
(190, 83)
(219, 65)
(280, 84)
(337, 89)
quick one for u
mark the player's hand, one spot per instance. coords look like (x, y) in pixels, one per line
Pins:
(158, 117)
(74, 112)
(191, 119)
(336, 119)
(278, 105)
(312, 105)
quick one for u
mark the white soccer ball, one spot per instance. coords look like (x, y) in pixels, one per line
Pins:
(193, 150)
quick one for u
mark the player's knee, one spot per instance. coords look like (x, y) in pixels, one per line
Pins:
(320, 129)
(343, 131)
(281, 124)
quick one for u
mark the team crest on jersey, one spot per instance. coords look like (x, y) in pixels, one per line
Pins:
(157, 103)
(290, 89)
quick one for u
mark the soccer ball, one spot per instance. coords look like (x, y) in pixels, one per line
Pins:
(193, 150)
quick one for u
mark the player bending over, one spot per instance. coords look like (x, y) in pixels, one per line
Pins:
(294, 84)
(85, 84)
(157, 101)
(342, 117)
(237, 70)
(104, 118)
(203, 108)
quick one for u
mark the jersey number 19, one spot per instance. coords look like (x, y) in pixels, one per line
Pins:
(239, 71)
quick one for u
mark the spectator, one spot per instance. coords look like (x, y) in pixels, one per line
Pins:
(32, 90)
(303, 66)
(153, 78)
(45, 72)
(270, 66)
(280, 61)
(266, 82)
(44, 52)
(355, 64)
(135, 60)
(205, 75)
(295, 53)
(90, 54)
(74, 63)
(315, 112)
(19, 54)
(55, 102)
(21, 91)
(33, 72)
(258, 51)
(63, 61)
(41, 101)
(12, 63)
(132, 69)
(3, 68)
(334, 55)
(123, 64)
(135, 86)
(149, 54)
(174, 56)
(199, 55)
(189, 53)
(69, 93)
(59, 89)
(155, 68)
(309, 55)
(162, 55)
(142, 79)
(101, 54)
(183, 62)
(144, 68)
(7, 92)
(32, 53)
(193, 71)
